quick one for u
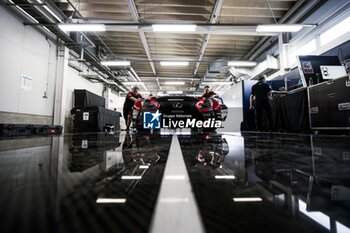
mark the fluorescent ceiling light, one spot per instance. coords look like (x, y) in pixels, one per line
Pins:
(116, 63)
(246, 199)
(174, 63)
(242, 63)
(174, 27)
(279, 28)
(144, 166)
(133, 83)
(82, 27)
(174, 83)
(227, 177)
(131, 177)
(111, 200)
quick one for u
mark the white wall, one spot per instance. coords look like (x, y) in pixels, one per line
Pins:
(233, 100)
(116, 102)
(74, 81)
(24, 51)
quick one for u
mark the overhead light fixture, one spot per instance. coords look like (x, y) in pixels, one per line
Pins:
(116, 63)
(174, 63)
(82, 27)
(131, 177)
(225, 177)
(174, 83)
(242, 63)
(174, 27)
(246, 199)
(110, 200)
(279, 28)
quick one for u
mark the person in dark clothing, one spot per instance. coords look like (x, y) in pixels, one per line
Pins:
(130, 100)
(208, 93)
(261, 93)
(205, 100)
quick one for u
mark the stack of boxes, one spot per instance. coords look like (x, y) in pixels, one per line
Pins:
(90, 114)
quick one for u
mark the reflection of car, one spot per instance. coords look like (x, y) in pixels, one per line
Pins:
(136, 150)
(181, 108)
(213, 151)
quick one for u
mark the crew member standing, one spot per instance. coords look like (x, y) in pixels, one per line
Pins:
(261, 93)
(205, 101)
(130, 100)
(208, 93)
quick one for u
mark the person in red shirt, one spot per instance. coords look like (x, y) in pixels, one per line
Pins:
(208, 93)
(130, 100)
(205, 101)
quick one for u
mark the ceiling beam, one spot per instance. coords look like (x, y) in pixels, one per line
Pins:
(136, 18)
(213, 19)
(297, 11)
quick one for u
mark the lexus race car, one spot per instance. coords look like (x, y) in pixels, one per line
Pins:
(181, 111)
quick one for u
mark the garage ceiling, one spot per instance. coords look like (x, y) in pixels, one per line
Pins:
(146, 49)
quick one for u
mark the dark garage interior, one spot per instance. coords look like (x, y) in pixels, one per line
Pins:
(186, 116)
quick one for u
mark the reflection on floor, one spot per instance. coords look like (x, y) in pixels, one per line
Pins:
(250, 182)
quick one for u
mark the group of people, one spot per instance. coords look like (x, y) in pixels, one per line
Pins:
(261, 94)
(134, 96)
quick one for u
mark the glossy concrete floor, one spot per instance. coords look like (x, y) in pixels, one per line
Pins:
(175, 182)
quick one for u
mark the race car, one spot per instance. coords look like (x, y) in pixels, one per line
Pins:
(181, 111)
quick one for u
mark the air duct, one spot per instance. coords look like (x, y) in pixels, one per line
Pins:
(268, 66)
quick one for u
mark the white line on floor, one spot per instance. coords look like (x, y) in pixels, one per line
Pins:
(176, 208)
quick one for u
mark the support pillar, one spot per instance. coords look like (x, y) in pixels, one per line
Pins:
(59, 97)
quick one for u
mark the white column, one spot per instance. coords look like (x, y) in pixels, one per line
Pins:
(59, 98)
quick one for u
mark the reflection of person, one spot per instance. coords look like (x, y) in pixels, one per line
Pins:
(127, 144)
(261, 93)
(208, 93)
(130, 100)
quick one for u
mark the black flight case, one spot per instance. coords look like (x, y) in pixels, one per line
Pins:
(329, 105)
